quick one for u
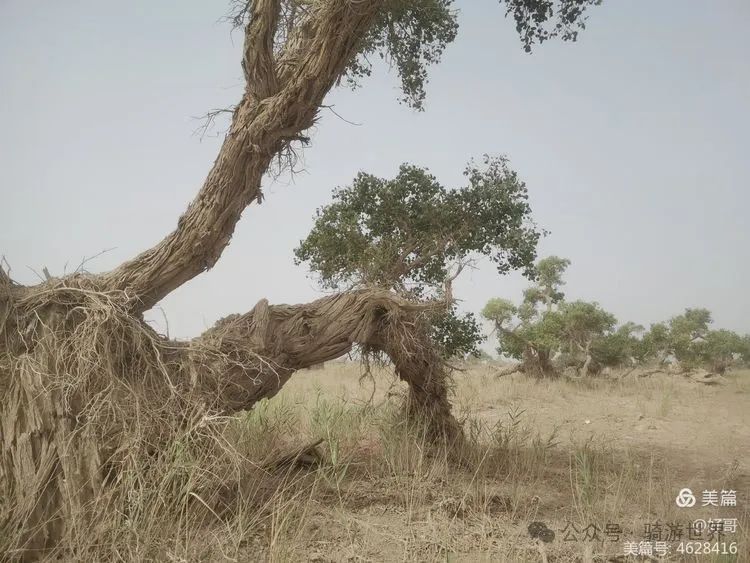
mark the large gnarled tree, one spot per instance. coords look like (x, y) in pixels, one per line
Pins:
(92, 396)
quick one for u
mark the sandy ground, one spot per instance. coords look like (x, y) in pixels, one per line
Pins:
(591, 454)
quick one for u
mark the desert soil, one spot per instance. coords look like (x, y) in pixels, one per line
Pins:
(596, 454)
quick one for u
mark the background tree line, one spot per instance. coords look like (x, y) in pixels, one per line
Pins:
(547, 333)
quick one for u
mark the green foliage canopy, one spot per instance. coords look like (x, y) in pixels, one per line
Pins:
(410, 234)
(409, 231)
(411, 35)
(546, 324)
(583, 329)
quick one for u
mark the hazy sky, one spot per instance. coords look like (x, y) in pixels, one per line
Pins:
(634, 143)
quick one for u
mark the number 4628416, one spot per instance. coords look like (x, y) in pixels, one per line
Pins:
(698, 547)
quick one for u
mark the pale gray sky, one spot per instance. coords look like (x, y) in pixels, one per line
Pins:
(634, 144)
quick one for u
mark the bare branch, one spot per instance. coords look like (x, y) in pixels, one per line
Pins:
(334, 112)
(37, 274)
(209, 120)
(88, 259)
(5, 270)
(448, 284)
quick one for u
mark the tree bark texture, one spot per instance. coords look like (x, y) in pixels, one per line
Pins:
(285, 88)
(88, 387)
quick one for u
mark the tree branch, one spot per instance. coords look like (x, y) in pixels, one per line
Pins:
(313, 58)
(258, 62)
(251, 356)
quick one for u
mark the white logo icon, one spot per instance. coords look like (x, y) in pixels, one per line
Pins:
(685, 499)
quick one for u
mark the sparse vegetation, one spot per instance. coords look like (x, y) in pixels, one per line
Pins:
(378, 490)
(583, 336)
(118, 443)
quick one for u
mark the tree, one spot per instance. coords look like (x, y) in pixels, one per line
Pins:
(694, 344)
(528, 332)
(549, 273)
(721, 349)
(619, 347)
(687, 333)
(688, 339)
(92, 394)
(585, 325)
(544, 325)
(655, 344)
(413, 236)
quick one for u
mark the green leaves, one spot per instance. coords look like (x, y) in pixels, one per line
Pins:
(411, 35)
(581, 329)
(410, 234)
(689, 339)
(457, 335)
(500, 312)
(545, 324)
(540, 20)
(582, 322)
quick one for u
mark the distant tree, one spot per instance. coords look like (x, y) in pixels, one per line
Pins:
(529, 332)
(745, 350)
(721, 349)
(694, 344)
(585, 325)
(687, 334)
(502, 313)
(622, 346)
(549, 272)
(690, 341)
(413, 236)
(655, 345)
(544, 326)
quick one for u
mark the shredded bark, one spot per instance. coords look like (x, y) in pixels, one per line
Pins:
(93, 397)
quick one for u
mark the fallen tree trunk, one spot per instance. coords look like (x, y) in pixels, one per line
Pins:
(92, 394)
(255, 354)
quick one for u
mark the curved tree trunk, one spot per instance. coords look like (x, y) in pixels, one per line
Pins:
(586, 366)
(90, 391)
(537, 363)
(545, 363)
(254, 354)
(285, 88)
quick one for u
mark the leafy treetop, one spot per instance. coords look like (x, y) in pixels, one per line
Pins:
(534, 333)
(410, 233)
(549, 272)
(581, 330)
(412, 34)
